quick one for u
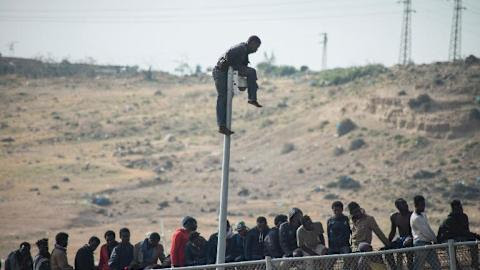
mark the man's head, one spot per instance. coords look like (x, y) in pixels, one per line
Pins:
(93, 242)
(124, 235)
(241, 228)
(307, 223)
(110, 237)
(354, 209)
(337, 208)
(295, 216)
(401, 205)
(253, 43)
(24, 248)
(262, 223)
(279, 219)
(457, 207)
(62, 239)
(42, 245)
(189, 223)
(419, 202)
(154, 239)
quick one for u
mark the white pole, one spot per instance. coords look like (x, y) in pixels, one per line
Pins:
(452, 256)
(222, 217)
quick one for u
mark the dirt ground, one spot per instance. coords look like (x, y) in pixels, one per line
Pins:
(150, 149)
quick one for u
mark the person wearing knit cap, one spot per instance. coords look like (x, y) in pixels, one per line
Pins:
(180, 239)
(288, 233)
(42, 260)
(212, 246)
(254, 243)
(239, 242)
(272, 240)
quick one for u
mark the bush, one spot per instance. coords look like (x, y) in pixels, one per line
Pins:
(276, 71)
(339, 76)
(344, 182)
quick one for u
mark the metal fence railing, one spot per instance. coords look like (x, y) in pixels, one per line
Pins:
(451, 255)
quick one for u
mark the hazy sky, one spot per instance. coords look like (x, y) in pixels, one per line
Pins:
(163, 32)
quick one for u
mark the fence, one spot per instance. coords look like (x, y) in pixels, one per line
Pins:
(451, 255)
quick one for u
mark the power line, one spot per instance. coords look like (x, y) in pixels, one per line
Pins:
(456, 32)
(195, 13)
(406, 35)
(269, 6)
(324, 50)
(186, 20)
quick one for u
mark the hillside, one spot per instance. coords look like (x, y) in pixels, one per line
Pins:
(84, 154)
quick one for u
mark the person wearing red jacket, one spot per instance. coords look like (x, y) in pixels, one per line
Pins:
(180, 239)
(106, 250)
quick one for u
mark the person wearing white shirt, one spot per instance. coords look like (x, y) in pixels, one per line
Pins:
(423, 235)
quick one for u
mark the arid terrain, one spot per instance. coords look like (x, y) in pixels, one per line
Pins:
(83, 154)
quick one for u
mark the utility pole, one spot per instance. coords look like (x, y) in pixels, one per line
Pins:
(232, 79)
(324, 52)
(406, 37)
(454, 52)
(11, 47)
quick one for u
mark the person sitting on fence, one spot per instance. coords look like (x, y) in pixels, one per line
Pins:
(288, 234)
(106, 250)
(237, 58)
(338, 231)
(196, 250)
(20, 259)
(422, 235)
(362, 227)
(238, 240)
(42, 260)
(179, 241)
(84, 259)
(310, 238)
(58, 258)
(456, 227)
(122, 255)
(254, 244)
(400, 220)
(147, 253)
(212, 246)
(272, 240)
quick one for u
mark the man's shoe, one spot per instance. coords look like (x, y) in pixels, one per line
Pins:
(225, 131)
(255, 103)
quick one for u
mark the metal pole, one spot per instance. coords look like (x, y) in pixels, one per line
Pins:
(268, 263)
(451, 255)
(222, 217)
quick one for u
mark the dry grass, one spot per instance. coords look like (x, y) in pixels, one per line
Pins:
(89, 131)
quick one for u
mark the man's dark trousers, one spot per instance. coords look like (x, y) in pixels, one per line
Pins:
(221, 78)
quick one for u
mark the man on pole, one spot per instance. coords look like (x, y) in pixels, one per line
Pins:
(236, 57)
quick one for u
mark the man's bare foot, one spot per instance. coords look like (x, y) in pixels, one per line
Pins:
(255, 103)
(225, 131)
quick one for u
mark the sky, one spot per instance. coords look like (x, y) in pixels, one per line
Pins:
(165, 33)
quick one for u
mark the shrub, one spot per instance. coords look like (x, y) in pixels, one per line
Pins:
(339, 76)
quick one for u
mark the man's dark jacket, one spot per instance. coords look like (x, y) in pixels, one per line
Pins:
(17, 261)
(255, 244)
(84, 259)
(236, 57)
(212, 249)
(122, 256)
(288, 239)
(272, 244)
(456, 227)
(195, 255)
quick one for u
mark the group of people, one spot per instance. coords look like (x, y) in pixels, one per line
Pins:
(294, 235)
